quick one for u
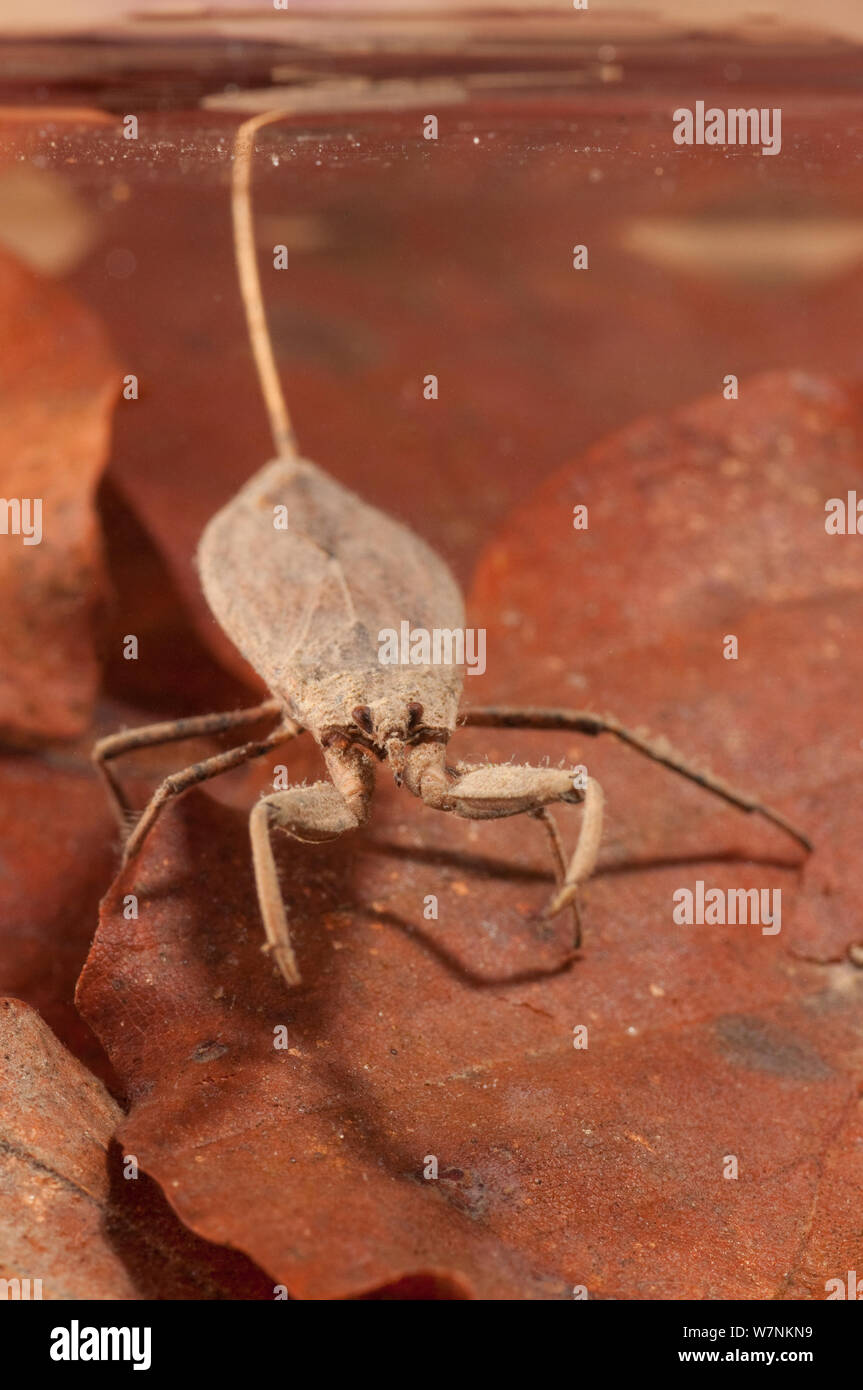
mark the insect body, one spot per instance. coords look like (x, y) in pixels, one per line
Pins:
(309, 613)
(306, 606)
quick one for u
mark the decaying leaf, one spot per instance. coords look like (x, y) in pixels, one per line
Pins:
(58, 383)
(450, 1096)
(57, 844)
(57, 1123)
(74, 1222)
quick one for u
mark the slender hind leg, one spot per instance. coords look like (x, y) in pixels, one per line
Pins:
(659, 750)
(200, 772)
(115, 745)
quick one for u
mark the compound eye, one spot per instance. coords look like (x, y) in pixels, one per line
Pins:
(415, 714)
(362, 716)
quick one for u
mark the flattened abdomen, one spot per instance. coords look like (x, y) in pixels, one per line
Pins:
(310, 600)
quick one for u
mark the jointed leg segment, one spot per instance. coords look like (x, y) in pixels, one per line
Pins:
(583, 862)
(173, 731)
(200, 772)
(546, 819)
(312, 814)
(659, 750)
(491, 792)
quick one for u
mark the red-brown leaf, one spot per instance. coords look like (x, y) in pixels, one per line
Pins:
(454, 1038)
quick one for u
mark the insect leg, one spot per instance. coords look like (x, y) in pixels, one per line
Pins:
(312, 814)
(659, 750)
(115, 745)
(583, 862)
(549, 824)
(200, 772)
(492, 791)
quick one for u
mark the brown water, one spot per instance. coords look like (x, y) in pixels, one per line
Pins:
(452, 256)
